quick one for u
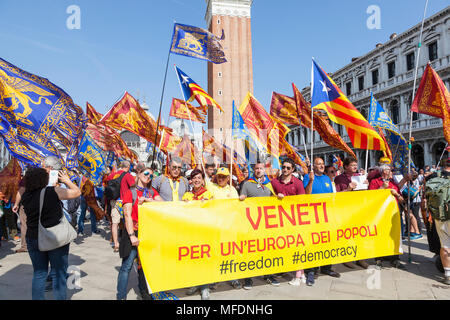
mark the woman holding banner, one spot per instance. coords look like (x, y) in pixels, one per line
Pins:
(129, 242)
(385, 181)
(199, 192)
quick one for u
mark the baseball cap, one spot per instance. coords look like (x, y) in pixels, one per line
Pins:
(223, 171)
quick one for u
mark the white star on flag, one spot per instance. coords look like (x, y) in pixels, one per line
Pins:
(325, 88)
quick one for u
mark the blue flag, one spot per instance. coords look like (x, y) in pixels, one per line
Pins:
(379, 118)
(40, 112)
(197, 43)
(91, 160)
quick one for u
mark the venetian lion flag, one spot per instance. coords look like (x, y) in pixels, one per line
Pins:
(169, 142)
(182, 110)
(109, 140)
(40, 113)
(327, 96)
(432, 98)
(192, 90)
(127, 114)
(91, 160)
(186, 151)
(92, 115)
(197, 43)
(285, 109)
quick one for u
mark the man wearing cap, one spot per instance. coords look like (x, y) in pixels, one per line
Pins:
(222, 189)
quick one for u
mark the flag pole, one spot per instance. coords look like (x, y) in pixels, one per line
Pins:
(445, 148)
(410, 131)
(160, 105)
(367, 159)
(312, 117)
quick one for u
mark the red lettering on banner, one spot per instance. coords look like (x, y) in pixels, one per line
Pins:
(255, 226)
(269, 216)
(322, 237)
(194, 252)
(300, 214)
(354, 232)
(291, 218)
(283, 215)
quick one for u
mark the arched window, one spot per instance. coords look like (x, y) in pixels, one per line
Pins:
(395, 112)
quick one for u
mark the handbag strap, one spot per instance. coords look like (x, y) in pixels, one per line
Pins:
(41, 202)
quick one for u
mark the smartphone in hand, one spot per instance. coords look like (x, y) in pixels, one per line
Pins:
(53, 178)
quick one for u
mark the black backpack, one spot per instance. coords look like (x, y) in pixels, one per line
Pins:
(112, 190)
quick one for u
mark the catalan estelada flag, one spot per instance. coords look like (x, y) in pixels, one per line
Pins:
(327, 96)
(192, 90)
(432, 98)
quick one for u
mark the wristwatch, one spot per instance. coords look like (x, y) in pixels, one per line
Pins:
(131, 235)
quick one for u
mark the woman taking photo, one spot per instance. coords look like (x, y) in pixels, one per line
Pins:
(35, 180)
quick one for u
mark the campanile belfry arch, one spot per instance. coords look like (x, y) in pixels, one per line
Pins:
(233, 79)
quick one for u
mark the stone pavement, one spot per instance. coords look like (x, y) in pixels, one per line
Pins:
(98, 265)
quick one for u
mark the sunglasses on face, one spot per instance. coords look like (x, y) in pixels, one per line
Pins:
(286, 167)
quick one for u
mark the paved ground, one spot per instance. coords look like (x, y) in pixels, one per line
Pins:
(99, 267)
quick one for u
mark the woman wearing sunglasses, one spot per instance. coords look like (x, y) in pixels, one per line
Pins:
(199, 192)
(132, 199)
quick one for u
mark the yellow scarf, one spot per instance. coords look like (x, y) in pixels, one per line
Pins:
(175, 196)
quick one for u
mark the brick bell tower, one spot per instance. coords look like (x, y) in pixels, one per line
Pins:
(233, 79)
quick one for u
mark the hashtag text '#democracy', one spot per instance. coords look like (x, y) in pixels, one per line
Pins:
(324, 254)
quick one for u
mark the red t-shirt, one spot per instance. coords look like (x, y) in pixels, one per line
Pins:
(128, 198)
(127, 181)
(292, 188)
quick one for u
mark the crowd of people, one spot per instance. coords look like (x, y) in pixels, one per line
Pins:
(129, 185)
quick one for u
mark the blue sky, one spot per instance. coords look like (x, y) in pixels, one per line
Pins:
(123, 45)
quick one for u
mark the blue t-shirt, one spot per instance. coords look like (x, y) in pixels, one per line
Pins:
(321, 184)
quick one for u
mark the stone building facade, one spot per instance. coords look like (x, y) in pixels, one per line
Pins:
(388, 72)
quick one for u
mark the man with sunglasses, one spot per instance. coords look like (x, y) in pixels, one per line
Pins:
(317, 182)
(172, 186)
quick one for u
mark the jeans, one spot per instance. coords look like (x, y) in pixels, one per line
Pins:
(83, 208)
(124, 273)
(59, 261)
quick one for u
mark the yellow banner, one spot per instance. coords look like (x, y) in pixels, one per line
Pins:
(188, 244)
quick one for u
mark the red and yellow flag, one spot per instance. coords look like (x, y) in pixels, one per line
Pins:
(92, 115)
(128, 114)
(327, 96)
(186, 151)
(214, 148)
(432, 98)
(9, 179)
(303, 107)
(169, 142)
(182, 110)
(109, 140)
(284, 109)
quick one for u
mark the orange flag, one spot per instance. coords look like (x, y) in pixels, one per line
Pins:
(92, 115)
(169, 141)
(303, 107)
(432, 98)
(186, 151)
(109, 140)
(269, 131)
(182, 110)
(128, 114)
(211, 146)
(9, 179)
(284, 108)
